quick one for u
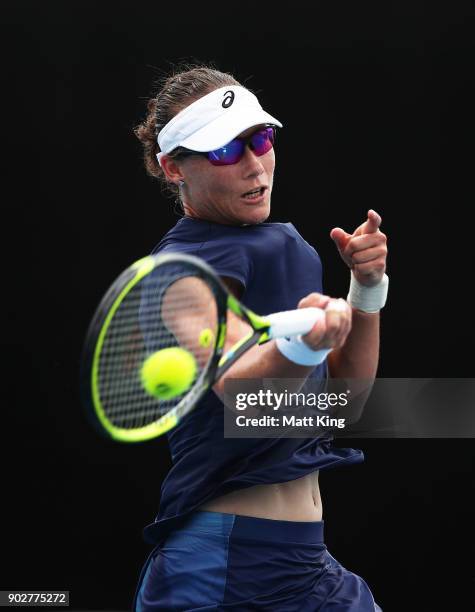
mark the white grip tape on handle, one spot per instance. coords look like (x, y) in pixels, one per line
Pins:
(288, 328)
(294, 322)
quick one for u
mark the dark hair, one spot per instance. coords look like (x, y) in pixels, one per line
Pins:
(185, 85)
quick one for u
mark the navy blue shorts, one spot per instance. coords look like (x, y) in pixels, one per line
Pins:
(222, 561)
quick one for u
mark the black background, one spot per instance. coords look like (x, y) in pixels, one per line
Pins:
(377, 102)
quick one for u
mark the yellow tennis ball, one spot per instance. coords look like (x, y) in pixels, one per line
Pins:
(168, 373)
(206, 337)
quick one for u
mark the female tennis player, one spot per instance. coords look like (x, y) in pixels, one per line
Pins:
(240, 520)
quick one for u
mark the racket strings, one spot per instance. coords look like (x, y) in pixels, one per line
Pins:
(168, 308)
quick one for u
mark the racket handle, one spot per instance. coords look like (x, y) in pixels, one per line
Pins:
(294, 322)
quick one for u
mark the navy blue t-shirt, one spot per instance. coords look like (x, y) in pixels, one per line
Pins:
(276, 268)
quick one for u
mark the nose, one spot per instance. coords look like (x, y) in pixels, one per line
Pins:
(251, 163)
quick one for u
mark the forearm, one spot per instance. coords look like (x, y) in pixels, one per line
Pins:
(358, 358)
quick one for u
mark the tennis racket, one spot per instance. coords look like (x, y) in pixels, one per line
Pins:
(160, 302)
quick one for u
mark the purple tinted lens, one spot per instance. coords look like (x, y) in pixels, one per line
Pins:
(229, 154)
(261, 142)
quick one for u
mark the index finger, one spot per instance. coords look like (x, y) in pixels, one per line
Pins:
(372, 224)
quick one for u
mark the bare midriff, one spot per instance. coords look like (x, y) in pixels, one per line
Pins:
(296, 500)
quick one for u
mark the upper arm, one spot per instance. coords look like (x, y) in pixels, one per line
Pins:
(188, 307)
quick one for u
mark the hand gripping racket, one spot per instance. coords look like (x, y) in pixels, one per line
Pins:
(161, 302)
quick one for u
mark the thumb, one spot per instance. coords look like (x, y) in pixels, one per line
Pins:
(339, 237)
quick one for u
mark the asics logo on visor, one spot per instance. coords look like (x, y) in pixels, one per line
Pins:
(228, 99)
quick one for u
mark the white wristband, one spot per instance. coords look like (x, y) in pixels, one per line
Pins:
(297, 351)
(368, 299)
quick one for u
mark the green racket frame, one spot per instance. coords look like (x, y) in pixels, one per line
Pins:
(217, 365)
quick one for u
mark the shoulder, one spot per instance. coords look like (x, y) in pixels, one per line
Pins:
(199, 236)
(223, 247)
(185, 231)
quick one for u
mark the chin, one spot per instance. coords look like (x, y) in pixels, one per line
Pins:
(256, 216)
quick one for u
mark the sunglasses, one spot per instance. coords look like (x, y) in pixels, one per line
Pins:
(260, 143)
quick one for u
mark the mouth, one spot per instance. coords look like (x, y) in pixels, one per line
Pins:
(255, 195)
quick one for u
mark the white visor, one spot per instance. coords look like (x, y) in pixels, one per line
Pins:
(214, 120)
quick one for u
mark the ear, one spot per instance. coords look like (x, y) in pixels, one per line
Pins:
(172, 170)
